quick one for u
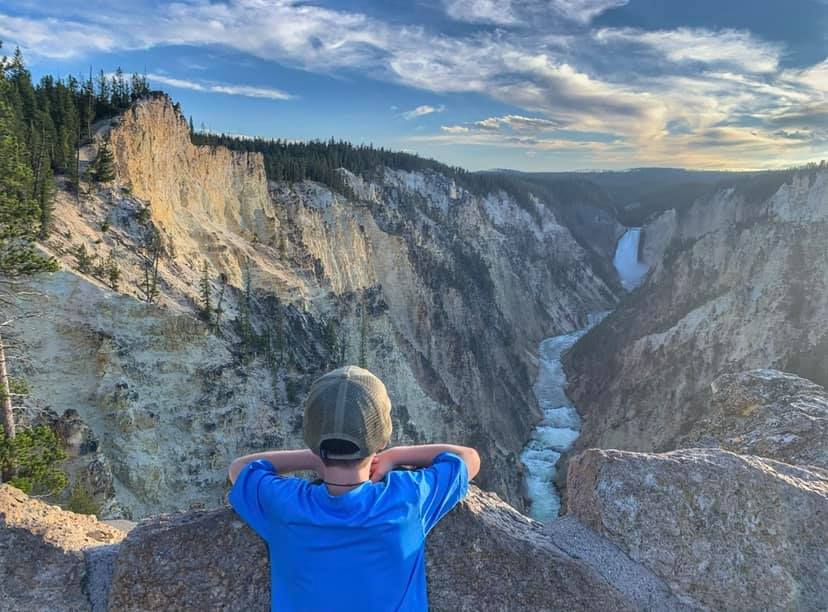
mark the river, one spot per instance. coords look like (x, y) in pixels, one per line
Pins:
(561, 424)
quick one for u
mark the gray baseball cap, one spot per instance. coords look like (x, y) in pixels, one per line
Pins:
(349, 404)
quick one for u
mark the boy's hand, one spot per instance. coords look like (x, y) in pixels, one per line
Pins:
(421, 456)
(381, 464)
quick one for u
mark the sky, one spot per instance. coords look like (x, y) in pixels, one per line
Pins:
(534, 85)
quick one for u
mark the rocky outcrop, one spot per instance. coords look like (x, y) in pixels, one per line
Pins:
(441, 274)
(483, 556)
(768, 413)
(42, 554)
(725, 531)
(740, 285)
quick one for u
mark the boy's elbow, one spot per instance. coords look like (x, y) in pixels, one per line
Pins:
(233, 471)
(473, 463)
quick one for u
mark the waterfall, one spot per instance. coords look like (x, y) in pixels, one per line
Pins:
(630, 270)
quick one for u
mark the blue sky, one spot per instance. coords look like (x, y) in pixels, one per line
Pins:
(525, 84)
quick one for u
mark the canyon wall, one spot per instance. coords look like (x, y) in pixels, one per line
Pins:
(738, 282)
(445, 294)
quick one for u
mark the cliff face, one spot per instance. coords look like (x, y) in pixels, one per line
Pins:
(738, 283)
(202, 198)
(445, 294)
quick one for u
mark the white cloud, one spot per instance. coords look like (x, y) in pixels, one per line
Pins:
(814, 78)
(735, 48)
(507, 141)
(454, 129)
(510, 12)
(518, 123)
(55, 38)
(422, 110)
(232, 90)
(481, 11)
(584, 11)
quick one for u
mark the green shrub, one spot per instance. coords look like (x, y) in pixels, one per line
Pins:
(292, 389)
(84, 259)
(33, 457)
(81, 500)
(143, 215)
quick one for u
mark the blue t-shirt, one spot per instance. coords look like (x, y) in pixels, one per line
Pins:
(361, 551)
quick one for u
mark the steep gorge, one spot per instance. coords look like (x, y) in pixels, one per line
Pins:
(737, 282)
(443, 292)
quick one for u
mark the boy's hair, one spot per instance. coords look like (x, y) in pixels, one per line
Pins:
(339, 447)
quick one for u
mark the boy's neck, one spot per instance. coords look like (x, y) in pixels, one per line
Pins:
(340, 480)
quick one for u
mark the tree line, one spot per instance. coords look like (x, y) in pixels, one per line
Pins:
(320, 160)
(53, 118)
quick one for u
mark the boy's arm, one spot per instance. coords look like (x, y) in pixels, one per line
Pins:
(421, 456)
(284, 461)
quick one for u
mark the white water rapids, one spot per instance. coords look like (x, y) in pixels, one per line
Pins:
(561, 425)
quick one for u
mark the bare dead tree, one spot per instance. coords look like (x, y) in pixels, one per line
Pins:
(15, 305)
(150, 252)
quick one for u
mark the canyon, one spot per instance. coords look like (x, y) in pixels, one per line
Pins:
(692, 476)
(415, 275)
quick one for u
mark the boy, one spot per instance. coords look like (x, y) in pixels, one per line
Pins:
(355, 540)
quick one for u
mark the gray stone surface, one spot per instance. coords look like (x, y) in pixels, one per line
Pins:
(732, 532)
(640, 586)
(487, 556)
(768, 413)
(42, 548)
(483, 556)
(100, 564)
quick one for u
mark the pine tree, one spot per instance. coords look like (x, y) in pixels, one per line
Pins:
(246, 309)
(139, 86)
(192, 128)
(120, 90)
(104, 164)
(279, 336)
(84, 260)
(219, 309)
(205, 293)
(103, 105)
(332, 341)
(44, 191)
(110, 272)
(150, 252)
(81, 501)
(31, 460)
(19, 221)
(363, 338)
